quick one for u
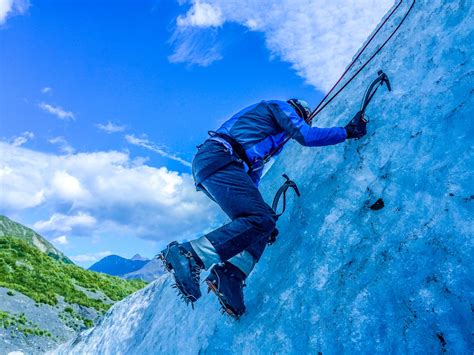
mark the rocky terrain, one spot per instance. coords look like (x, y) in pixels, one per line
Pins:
(44, 298)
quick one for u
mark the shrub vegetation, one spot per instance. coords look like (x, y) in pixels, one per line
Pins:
(27, 270)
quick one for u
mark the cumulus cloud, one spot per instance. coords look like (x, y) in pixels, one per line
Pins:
(65, 224)
(317, 37)
(46, 90)
(63, 144)
(10, 8)
(57, 111)
(195, 38)
(62, 240)
(87, 258)
(201, 14)
(145, 143)
(22, 139)
(102, 191)
(68, 187)
(110, 127)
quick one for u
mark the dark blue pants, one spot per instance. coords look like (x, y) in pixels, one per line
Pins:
(231, 188)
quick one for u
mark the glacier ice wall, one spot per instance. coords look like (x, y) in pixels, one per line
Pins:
(343, 277)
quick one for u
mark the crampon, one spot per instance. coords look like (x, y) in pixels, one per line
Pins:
(181, 264)
(225, 308)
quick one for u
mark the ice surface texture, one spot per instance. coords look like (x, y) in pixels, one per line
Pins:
(343, 277)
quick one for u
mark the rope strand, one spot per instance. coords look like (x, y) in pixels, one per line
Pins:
(321, 106)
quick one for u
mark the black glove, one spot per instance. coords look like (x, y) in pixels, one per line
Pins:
(356, 128)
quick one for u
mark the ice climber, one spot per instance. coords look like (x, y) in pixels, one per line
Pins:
(227, 168)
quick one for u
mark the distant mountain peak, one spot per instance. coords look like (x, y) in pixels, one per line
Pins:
(139, 257)
(117, 266)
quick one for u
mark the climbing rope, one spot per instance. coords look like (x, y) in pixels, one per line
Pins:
(320, 107)
(323, 102)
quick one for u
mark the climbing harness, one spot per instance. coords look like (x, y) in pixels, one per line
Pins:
(323, 103)
(237, 148)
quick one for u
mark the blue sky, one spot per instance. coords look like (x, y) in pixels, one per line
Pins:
(116, 68)
(102, 104)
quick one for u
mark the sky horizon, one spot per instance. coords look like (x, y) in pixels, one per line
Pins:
(101, 106)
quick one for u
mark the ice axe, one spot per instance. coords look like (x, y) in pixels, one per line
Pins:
(372, 89)
(281, 192)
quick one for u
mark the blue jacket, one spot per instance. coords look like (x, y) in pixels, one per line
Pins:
(262, 127)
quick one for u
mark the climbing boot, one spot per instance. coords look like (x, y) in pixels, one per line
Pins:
(227, 282)
(184, 267)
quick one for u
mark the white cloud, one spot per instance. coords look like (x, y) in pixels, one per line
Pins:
(63, 144)
(57, 111)
(195, 38)
(67, 187)
(110, 127)
(65, 224)
(201, 14)
(317, 37)
(145, 143)
(46, 90)
(122, 195)
(197, 46)
(62, 240)
(22, 139)
(87, 258)
(10, 8)
(5, 8)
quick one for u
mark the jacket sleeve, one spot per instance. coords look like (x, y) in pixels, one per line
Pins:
(298, 129)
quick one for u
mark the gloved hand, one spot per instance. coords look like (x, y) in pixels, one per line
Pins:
(356, 128)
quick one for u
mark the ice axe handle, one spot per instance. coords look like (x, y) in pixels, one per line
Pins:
(387, 81)
(292, 184)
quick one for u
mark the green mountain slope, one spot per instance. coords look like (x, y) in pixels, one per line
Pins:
(27, 270)
(44, 298)
(17, 230)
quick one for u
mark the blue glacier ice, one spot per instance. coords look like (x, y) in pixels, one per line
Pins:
(342, 277)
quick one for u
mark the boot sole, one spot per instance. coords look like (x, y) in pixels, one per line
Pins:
(225, 307)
